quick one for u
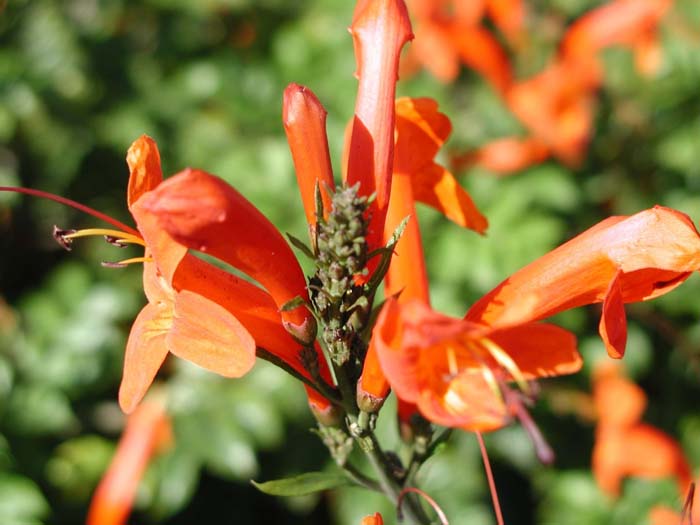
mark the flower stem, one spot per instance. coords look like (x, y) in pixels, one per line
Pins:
(321, 386)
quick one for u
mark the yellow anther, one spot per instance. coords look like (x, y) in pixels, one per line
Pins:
(503, 359)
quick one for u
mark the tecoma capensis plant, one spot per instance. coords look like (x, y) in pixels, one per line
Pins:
(350, 351)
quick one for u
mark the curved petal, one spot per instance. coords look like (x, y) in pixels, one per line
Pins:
(437, 187)
(209, 336)
(166, 253)
(613, 322)
(144, 168)
(145, 353)
(654, 250)
(420, 131)
(252, 306)
(467, 402)
(540, 350)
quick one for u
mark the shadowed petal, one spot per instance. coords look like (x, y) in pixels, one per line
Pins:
(209, 336)
(145, 353)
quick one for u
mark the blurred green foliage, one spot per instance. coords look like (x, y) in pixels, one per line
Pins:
(81, 79)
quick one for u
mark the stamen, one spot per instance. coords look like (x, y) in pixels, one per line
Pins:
(503, 359)
(126, 262)
(688, 505)
(62, 238)
(111, 236)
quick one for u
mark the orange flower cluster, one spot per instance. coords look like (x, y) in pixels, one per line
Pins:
(456, 372)
(626, 447)
(556, 106)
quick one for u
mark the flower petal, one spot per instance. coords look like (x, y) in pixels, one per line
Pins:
(144, 168)
(209, 336)
(540, 350)
(613, 322)
(420, 131)
(145, 353)
(437, 187)
(304, 121)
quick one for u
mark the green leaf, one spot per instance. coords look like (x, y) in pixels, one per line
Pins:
(299, 244)
(303, 484)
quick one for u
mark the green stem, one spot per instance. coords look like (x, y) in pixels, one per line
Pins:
(359, 478)
(321, 386)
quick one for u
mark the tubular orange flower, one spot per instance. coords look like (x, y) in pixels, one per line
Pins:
(420, 131)
(195, 310)
(304, 121)
(456, 371)
(202, 212)
(147, 432)
(621, 22)
(620, 260)
(379, 29)
(201, 326)
(624, 446)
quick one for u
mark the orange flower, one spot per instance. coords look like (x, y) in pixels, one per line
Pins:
(196, 310)
(379, 29)
(633, 23)
(624, 446)
(420, 131)
(556, 106)
(448, 33)
(374, 519)
(147, 432)
(304, 121)
(456, 371)
(504, 156)
(201, 326)
(620, 260)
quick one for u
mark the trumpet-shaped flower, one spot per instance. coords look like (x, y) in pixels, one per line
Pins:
(420, 131)
(456, 371)
(147, 432)
(379, 29)
(620, 260)
(195, 310)
(624, 446)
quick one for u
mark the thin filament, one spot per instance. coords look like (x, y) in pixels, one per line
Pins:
(489, 477)
(441, 514)
(118, 236)
(73, 204)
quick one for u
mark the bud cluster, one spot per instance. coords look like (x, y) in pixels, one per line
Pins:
(341, 257)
